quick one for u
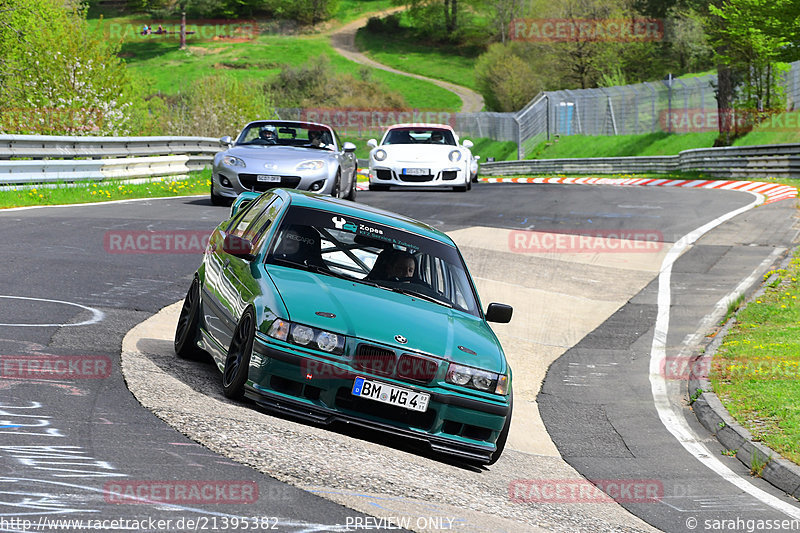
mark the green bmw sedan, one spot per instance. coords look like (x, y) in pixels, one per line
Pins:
(332, 311)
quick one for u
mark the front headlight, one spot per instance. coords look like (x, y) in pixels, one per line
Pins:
(455, 156)
(379, 155)
(307, 336)
(311, 165)
(233, 161)
(476, 379)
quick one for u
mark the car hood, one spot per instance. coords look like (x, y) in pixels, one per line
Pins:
(278, 153)
(378, 315)
(419, 152)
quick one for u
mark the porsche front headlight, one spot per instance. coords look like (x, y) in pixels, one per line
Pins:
(379, 155)
(455, 156)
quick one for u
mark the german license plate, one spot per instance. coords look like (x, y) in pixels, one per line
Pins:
(416, 171)
(385, 393)
(266, 178)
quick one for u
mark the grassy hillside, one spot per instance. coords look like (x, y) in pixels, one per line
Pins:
(159, 60)
(406, 53)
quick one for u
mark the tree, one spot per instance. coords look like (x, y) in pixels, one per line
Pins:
(749, 38)
(506, 80)
(56, 76)
(502, 13)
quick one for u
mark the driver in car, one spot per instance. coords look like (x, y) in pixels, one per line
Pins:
(402, 267)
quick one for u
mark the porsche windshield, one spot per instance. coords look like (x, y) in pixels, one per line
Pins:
(420, 136)
(373, 254)
(287, 134)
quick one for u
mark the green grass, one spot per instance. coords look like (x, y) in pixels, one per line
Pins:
(500, 150)
(352, 9)
(659, 143)
(756, 371)
(406, 53)
(197, 183)
(159, 61)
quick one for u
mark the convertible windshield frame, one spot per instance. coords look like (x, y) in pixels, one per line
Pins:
(297, 134)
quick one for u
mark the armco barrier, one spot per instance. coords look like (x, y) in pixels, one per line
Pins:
(777, 160)
(38, 159)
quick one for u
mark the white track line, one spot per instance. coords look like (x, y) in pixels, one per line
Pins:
(97, 315)
(672, 418)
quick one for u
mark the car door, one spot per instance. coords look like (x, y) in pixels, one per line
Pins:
(220, 293)
(348, 163)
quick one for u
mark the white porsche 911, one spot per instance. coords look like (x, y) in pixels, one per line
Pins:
(421, 155)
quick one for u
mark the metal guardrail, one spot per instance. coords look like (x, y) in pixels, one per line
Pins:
(40, 159)
(777, 160)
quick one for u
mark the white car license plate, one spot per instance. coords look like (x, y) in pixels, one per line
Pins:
(385, 393)
(266, 178)
(416, 171)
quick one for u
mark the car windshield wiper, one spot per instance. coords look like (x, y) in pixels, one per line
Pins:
(420, 295)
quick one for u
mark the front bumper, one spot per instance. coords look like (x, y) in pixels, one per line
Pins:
(438, 176)
(230, 182)
(453, 424)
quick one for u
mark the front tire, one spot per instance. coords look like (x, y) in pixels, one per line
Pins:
(237, 362)
(336, 191)
(503, 437)
(217, 199)
(188, 329)
(351, 195)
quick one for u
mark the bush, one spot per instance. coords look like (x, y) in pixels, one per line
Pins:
(506, 81)
(213, 106)
(317, 85)
(56, 76)
(389, 24)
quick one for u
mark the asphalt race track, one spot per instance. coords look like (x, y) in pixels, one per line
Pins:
(70, 289)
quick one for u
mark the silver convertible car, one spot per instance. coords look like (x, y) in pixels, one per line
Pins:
(279, 153)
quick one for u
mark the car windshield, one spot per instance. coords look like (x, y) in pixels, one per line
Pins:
(374, 254)
(420, 136)
(287, 134)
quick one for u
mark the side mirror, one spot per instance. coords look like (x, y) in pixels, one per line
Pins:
(476, 157)
(226, 140)
(238, 247)
(500, 313)
(467, 143)
(372, 143)
(349, 147)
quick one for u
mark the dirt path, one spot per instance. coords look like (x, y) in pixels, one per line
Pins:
(343, 41)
